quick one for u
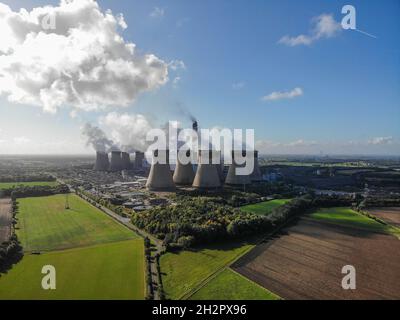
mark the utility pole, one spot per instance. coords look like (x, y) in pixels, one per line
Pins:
(66, 201)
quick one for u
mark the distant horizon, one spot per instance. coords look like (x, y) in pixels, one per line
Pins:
(93, 155)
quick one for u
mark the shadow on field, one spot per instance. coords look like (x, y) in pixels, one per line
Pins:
(7, 265)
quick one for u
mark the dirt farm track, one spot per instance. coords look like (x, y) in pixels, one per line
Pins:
(5, 219)
(305, 262)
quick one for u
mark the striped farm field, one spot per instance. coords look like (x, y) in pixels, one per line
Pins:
(44, 224)
(108, 271)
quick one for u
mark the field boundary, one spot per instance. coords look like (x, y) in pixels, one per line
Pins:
(394, 231)
(263, 238)
(258, 285)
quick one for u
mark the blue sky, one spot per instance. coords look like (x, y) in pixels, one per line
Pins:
(350, 82)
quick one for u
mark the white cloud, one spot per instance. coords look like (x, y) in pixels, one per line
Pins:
(127, 129)
(380, 140)
(177, 64)
(21, 140)
(83, 63)
(238, 85)
(279, 95)
(157, 12)
(324, 26)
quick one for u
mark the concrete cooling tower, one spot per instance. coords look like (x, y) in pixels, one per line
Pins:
(102, 163)
(139, 157)
(184, 174)
(116, 161)
(207, 176)
(126, 161)
(160, 176)
(234, 179)
(256, 176)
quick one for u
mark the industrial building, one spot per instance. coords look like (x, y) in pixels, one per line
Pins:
(233, 178)
(207, 176)
(160, 176)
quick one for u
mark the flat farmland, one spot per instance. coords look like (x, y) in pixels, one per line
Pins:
(44, 224)
(229, 285)
(8, 185)
(389, 215)
(264, 208)
(305, 261)
(109, 271)
(5, 219)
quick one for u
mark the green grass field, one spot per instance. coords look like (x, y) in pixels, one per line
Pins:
(264, 208)
(45, 224)
(346, 216)
(109, 271)
(229, 285)
(184, 271)
(8, 185)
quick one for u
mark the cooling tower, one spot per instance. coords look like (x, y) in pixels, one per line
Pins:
(102, 162)
(160, 176)
(126, 161)
(116, 161)
(234, 179)
(139, 156)
(256, 176)
(207, 176)
(184, 174)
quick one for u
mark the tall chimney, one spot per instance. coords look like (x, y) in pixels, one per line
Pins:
(256, 176)
(116, 161)
(102, 162)
(139, 156)
(160, 176)
(234, 179)
(207, 176)
(184, 174)
(126, 161)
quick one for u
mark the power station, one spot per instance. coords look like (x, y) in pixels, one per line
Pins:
(102, 162)
(116, 161)
(233, 178)
(184, 173)
(160, 176)
(207, 176)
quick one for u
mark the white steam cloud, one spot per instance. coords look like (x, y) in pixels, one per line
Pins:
(83, 62)
(128, 130)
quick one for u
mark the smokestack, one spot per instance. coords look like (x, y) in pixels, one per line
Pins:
(256, 176)
(232, 178)
(116, 161)
(160, 176)
(184, 174)
(195, 126)
(139, 157)
(126, 161)
(207, 173)
(102, 162)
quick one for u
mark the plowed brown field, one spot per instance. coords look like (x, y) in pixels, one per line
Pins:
(389, 215)
(305, 262)
(5, 219)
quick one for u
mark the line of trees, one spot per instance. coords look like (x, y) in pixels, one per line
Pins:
(26, 178)
(202, 220)
(10, 251)
(34, 191)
